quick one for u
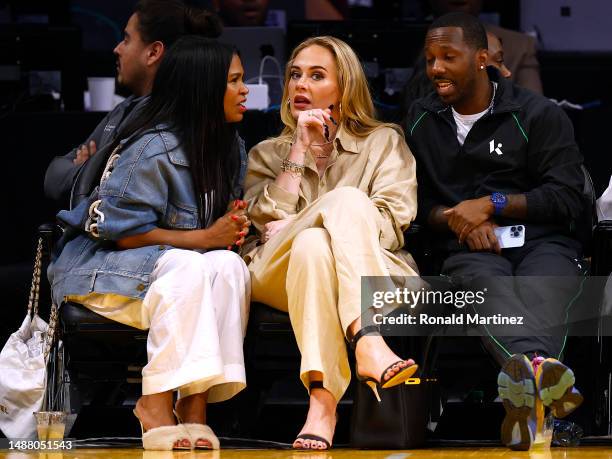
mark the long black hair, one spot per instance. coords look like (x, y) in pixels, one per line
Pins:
(187, 96)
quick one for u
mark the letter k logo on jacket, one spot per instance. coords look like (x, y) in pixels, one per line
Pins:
(492, 147)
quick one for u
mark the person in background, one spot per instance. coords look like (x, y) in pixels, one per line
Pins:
(254, 13)
(143, 248)
(496, 55)
(242, 13)
(151, 29)
(491, 154)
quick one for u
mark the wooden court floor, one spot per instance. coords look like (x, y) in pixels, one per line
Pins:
(590, 452)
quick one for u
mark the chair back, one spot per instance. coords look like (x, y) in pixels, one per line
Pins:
(583, 226)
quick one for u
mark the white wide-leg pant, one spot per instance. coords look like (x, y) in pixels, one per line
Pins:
(196, 310)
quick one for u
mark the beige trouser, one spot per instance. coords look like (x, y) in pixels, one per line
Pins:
(312, 269)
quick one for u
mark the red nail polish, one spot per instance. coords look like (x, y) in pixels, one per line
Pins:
(233, 217)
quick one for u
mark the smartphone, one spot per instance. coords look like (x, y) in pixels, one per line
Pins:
(510, 236)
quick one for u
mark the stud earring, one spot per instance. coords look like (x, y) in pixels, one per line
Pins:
(482, 67)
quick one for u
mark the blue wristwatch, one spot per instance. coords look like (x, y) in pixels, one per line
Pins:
(499, 201)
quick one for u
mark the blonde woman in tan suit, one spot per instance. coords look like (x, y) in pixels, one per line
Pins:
(330, 199)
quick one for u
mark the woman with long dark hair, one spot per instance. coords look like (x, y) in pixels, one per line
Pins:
(140, 250)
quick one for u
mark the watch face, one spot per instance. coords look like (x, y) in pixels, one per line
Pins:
(498, 198)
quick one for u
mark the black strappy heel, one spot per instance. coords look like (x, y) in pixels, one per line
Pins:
(307, 436)
(398, 378)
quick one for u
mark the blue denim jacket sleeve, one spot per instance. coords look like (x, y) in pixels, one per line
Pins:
(134, 199)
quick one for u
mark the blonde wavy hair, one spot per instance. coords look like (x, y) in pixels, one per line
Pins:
(357, 113)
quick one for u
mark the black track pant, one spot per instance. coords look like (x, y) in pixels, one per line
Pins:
(542, 302)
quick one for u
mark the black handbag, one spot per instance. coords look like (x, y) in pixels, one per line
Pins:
(400, 420)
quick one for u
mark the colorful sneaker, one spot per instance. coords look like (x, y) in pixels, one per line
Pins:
(555, 384)
(517, 390)
(536, 362)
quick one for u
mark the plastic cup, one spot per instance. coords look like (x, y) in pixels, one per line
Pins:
(50, 425)
(543, 438)
(101, 93)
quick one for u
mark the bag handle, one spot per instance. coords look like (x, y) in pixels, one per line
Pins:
(50, 336)
(36, 275)
(34, 300)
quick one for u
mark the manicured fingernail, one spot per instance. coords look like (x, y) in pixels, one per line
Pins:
(233, 217)
(229, 247)
(333, 120)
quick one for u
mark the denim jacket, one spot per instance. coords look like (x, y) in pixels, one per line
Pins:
(150, 187)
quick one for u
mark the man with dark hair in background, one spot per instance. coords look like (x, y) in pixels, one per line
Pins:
(153, 27)
(490, 153)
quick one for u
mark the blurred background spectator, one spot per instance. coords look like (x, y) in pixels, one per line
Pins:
(250, 13)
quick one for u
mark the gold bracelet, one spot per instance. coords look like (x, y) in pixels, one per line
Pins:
(296, 170)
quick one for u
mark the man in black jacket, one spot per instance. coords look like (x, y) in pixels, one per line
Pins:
(490, 154)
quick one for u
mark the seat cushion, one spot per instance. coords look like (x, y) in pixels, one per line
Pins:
(75, 317)
(266, 318)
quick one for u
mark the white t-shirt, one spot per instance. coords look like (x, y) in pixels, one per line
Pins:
(465, 122)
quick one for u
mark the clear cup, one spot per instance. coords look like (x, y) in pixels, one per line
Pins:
(544, 435)
(50, 425)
